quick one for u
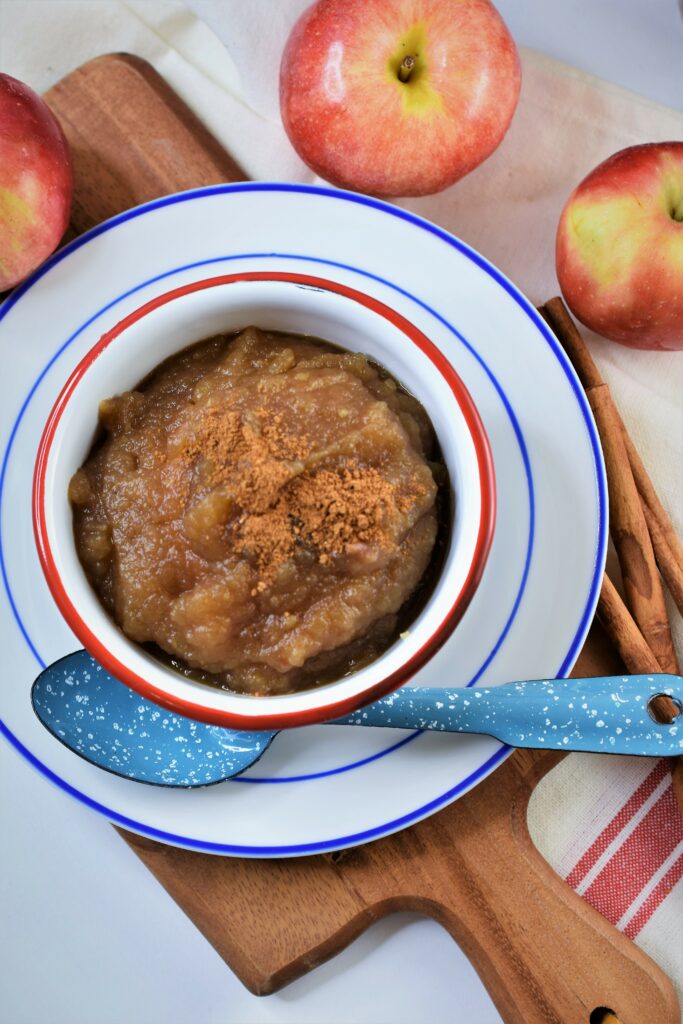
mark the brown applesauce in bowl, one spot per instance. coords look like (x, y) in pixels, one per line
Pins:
(264, 512)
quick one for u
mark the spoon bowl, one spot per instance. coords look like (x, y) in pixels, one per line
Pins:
(113, 727)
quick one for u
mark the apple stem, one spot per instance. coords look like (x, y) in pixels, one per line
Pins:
(405, 68)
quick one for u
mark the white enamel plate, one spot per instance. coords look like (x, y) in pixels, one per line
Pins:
(323, 787)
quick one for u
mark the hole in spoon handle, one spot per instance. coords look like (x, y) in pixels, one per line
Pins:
(664, 709)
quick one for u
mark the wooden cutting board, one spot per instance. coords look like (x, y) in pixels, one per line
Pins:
(545, 956)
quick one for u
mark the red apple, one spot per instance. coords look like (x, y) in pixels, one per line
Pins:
(398, 97)
(35, 181)
(619, 249)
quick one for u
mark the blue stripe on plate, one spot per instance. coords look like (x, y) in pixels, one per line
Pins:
(583, 405)
(256, 851)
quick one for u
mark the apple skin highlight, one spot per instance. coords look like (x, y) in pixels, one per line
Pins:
(358, 125)
(35, 181)
(619, 247)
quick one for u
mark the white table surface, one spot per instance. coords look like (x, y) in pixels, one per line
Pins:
(87, 936)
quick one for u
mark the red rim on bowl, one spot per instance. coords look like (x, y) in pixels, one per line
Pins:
(310, 715)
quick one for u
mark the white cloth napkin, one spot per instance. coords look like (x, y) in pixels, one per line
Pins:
(591, 814)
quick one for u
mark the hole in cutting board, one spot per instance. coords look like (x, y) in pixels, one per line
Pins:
(664, 709)
(603, 1015)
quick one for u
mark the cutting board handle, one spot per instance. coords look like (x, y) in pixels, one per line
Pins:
(544, 955)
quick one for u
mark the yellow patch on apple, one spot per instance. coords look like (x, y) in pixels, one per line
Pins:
(418, 97)
(672, 251)
(606, 235)
(17, 214)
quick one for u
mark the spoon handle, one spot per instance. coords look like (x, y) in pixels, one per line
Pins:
(605, 714)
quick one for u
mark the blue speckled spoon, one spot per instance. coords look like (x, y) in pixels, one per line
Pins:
(116, 729)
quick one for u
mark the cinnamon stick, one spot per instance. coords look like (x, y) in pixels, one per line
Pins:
(650, 498)
(668, 566)
(642, 584)
(630, 644)
(626, 474)
(623, 631)
(557, 315)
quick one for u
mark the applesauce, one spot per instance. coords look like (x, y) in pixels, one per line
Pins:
(265, 512)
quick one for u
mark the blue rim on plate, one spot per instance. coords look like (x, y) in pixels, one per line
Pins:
(562, 359)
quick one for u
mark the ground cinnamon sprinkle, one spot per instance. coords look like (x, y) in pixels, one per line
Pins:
(281, 503)
(342, 507)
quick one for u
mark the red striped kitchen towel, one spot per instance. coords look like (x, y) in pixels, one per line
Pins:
(613, 830)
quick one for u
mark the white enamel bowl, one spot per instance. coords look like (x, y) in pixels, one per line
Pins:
(288, 302)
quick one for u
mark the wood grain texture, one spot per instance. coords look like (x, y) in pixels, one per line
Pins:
(132, 139)
(543, 953)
